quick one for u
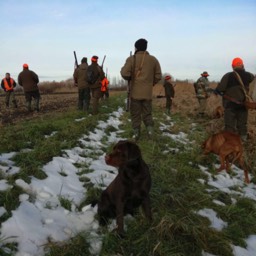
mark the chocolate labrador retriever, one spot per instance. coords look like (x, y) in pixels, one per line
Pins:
(130, 189)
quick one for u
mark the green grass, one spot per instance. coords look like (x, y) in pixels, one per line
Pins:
(176, 193)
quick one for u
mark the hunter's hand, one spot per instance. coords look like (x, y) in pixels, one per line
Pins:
(75, 84)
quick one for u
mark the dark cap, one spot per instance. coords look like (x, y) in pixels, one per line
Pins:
(84, 60)
(141, 44)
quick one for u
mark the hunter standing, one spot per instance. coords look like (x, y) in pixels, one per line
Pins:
(28, 79)
(169, 93)
(234, 95)
(104, 88)
(95, 75)
(8, 84)
(144, 71)
(80, 78)
(202, 89)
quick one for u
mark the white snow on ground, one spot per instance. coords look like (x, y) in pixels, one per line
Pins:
(40, 218)
(216, 222)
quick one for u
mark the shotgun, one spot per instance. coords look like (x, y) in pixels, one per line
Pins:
(76, 63)
(103, 61)
(128, 102)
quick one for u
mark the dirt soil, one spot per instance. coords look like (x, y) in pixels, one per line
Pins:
(186, 103)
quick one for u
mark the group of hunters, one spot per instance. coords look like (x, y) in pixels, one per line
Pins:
(143, 71)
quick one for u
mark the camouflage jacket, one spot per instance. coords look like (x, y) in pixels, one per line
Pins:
(202, 87)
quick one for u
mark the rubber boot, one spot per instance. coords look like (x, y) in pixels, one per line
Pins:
(37, 105)
(29, 106)
(150, 131)
(136, 134)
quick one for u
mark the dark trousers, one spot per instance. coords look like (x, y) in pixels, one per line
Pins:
(9, 95)
(168, 104)
(84, 98)
(96, 95)
(236, 120)
(32, 95)
(141, 110)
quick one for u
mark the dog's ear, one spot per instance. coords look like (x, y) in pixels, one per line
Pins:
(133, 151)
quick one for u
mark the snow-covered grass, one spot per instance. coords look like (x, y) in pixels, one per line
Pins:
(196, 210)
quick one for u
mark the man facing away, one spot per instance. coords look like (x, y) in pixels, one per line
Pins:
(80, 78)
(144, 71)
(95, 75)
(28, 79)
(8, 84)
(233, 87)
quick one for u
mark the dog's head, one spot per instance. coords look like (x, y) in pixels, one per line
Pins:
(125, 152)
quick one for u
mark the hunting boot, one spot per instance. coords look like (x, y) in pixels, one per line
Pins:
(136, 134)
(15, 104)
(29, 106)
(149, 131)
(167, 111)
(37, 105)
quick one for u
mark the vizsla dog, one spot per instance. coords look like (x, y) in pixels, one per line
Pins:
(130, 189)
(227, 145)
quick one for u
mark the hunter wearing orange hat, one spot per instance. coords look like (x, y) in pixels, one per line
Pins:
(233, 87)
(29, 80)
(95, 75)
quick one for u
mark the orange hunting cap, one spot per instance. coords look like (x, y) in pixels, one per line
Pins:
(167, 77)
(205, 73)
(94, 58)
(25, 65)
(237, 62)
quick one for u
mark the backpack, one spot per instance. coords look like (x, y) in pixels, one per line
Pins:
(92, 74)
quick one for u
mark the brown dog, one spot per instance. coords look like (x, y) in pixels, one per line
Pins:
(130, 189)
(218, 112)
(227, 145)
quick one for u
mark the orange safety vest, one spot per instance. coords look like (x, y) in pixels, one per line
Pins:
(104, 84)
(6, 85)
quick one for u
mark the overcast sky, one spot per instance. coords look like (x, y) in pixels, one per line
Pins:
(187, 37)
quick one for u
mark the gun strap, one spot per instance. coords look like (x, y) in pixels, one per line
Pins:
(238, 77)
(141, 64)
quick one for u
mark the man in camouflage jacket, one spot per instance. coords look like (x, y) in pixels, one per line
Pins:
(202, 89)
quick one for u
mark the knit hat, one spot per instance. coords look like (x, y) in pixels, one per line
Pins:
(25, 65)
(84, 60)
(167, 77)
(205, 73)
(237, 62)
(94, 58)
(141, 44)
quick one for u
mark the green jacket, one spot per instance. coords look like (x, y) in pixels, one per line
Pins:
(202, 87)
(169, 90)
(80, 76)
(28, 80)
(101, 75)
(230, 86)
(142, 80)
